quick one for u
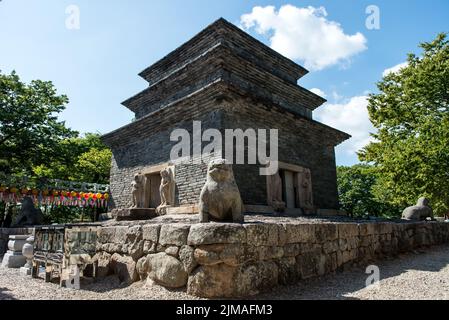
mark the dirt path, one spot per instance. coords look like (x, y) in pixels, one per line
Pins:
(413, 276)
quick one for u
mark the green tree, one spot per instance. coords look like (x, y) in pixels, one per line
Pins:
(30, 133)
(94, 165)
(359, 192)
(411, 114)
(84, 159)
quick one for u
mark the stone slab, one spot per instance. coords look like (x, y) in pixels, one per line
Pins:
(25, 271)
(13, 260)
(19, 237)
(134, 214)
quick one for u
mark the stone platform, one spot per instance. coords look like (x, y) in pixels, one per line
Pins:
(13, 258)
(235, 260)
(133, 214)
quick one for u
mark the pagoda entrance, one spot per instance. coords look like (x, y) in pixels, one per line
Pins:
(152, 195)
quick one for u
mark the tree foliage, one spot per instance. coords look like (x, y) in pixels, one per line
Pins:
(83, 159)
(34, 143)
(411, 114)
(359, 192)
(30, 133)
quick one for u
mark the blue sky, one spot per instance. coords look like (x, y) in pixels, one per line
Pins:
(97, 64)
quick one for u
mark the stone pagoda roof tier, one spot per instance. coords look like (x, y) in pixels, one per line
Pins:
(221, 31)
(222, 62)
(213, 97)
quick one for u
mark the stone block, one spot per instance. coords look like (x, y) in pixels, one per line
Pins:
(326, 232)
(151, 232)
(213, 281)
(124, 267)
(120, 235)
(262, 234)
(134, 214)
(174, 234)
(186, 256)
(297, 233)
(385, 227)
(172, 251)
(149, 247)
(288, 271)
(207, 257)
(104, 264)
(366, 229)
(292, 249)
(253, 278)
(13, 259)
(106, 234)
(307, 264)
(216, 233)
(166, 270)
(231, 254)
(331, 246)
(347, 230)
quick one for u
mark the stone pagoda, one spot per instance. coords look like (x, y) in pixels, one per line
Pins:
(225, 79)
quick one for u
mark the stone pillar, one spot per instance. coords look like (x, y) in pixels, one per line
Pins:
(14, 257)
(27, 252)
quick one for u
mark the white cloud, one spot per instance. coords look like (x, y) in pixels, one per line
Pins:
(395, 69)
(335, 96)
(318, 92)
(350, 117)
(305, 34)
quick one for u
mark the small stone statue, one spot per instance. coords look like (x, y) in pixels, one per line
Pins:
(137, 189)
(166, 191)
(165, 188)
(29, 215)
(421, 211)
(307, 189)
(276, 193)
(220, 197)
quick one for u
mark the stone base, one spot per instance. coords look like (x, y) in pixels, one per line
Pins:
(13, 259)
(134, 214)
(162, 210)
(228, 260)
(26, 271)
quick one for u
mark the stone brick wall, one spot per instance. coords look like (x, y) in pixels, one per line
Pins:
(150, 145)
(301, 143)
(232, 260)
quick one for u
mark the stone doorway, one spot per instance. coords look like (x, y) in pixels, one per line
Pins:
(152, 184)
(290, 188)
(294, 186)
(152, 195)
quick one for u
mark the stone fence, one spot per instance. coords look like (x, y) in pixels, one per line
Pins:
(232, 260)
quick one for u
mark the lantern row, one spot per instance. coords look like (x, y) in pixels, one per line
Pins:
(55, 197)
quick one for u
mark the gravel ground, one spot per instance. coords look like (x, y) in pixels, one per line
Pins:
(419, 275)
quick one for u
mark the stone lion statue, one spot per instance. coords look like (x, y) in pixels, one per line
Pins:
(220, 197)
(29, 215)
(421, 211)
